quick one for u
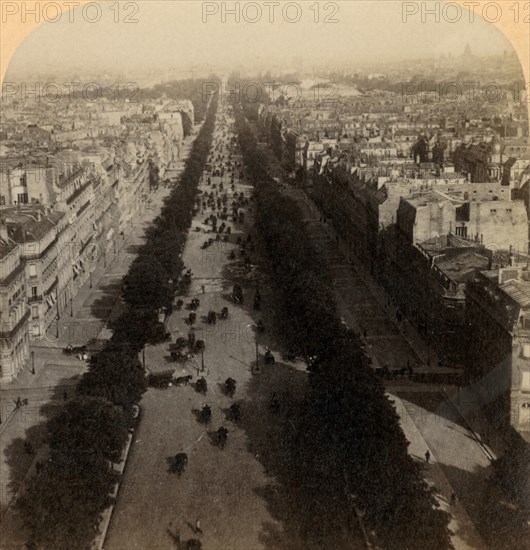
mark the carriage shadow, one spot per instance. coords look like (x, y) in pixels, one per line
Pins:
(214, 439)
(227, 413)
(228, 298)
(197, 413)
(176, 539)
(170, 460)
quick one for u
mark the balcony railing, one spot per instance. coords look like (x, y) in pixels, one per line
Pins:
(6, 332)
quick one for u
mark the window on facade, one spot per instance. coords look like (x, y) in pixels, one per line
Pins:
(461, 231)
(493, 210)
(22, 198)
(32, 270)
(525, 380)
(35, 312)
(33, 291)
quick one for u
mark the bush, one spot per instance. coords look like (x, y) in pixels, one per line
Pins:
(146, 285)
(88, 426)
(117, 375)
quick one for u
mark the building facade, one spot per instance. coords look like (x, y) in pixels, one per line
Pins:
(498, 314)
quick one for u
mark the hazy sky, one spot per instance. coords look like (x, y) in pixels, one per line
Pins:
(172, 33)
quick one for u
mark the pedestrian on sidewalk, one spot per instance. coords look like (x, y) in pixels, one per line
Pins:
(203, 289)
(198, 527)
(453, 499)
(427, 456)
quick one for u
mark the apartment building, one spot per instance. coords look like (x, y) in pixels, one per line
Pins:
(498, 314)
(14, 309)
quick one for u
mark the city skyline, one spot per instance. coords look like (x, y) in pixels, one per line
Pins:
(168, 35)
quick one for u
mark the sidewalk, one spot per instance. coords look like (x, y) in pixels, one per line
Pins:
(460, 525)
(405, 329)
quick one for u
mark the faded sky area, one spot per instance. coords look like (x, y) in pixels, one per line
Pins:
(153, 34)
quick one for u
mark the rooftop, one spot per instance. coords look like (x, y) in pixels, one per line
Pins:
(30, 223)
(516, 287)
(6, 248)
(518, 290)
(460, 267)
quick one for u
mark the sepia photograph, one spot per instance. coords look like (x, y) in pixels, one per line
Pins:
(264, 275)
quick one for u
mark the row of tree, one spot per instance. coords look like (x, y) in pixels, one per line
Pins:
(357, 438)
(197, 90)
(63, 504)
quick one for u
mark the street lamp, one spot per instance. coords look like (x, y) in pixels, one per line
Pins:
(58, 319)
(90, 278)
(32, 362)
(71, 306)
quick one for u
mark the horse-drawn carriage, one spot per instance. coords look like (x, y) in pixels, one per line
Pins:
(160, 379)
(235, 412)
(230, 387)
(180, 461)
(205, 415)
(222, 436)
(269, 358)
(201, 385)
(212, 317)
